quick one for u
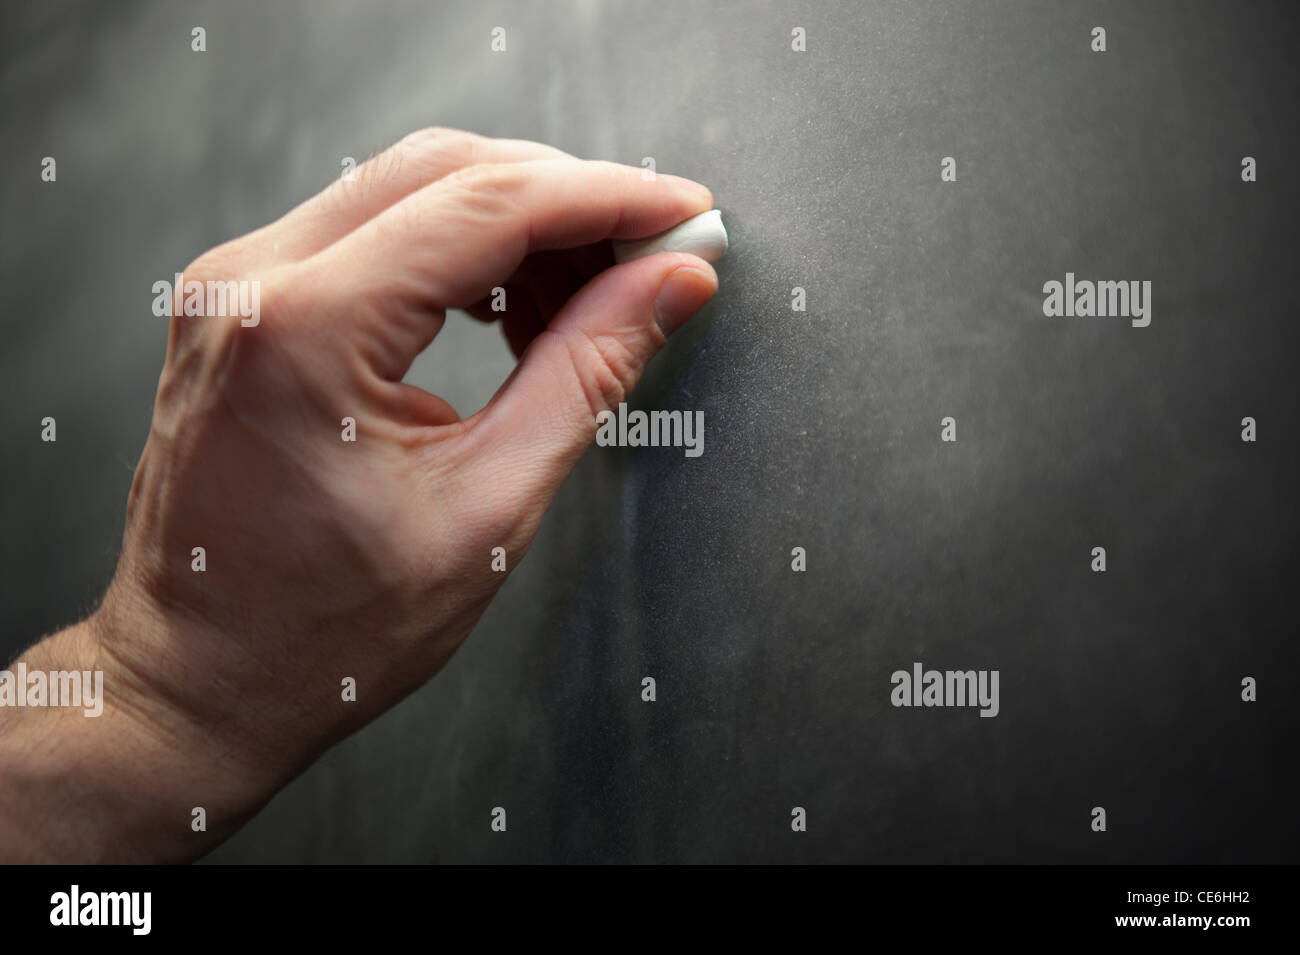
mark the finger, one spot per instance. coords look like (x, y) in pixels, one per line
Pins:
(587, 361)
(520, 323)
(548, 286)
(590, 260)
(575, 265)
(552, 282)
(414, 162)
(415, 406)
(546, 278)
(495, 307)
(450, 243)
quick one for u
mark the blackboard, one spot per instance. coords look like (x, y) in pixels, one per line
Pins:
(924, 301)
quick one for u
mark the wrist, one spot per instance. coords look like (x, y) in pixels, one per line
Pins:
(119, 785)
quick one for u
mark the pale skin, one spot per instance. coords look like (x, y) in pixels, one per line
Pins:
(329, 559)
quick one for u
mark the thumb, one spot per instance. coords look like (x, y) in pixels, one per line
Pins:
(587, 361)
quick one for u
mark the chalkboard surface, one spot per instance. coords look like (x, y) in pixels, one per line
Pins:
(912, 175)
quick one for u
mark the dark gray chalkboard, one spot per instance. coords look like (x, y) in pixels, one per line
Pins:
(924, 300)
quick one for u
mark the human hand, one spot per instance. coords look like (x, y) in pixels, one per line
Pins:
(328, 559)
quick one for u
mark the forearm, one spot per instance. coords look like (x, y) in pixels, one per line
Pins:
(117, 787)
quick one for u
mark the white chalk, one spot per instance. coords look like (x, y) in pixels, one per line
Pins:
(702, 235)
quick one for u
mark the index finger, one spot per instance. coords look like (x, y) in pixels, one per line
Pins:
(447, 245)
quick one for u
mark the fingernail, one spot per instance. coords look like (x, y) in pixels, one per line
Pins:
(682, 294)
(695, 189)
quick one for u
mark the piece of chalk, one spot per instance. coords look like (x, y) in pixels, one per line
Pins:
(702, 235)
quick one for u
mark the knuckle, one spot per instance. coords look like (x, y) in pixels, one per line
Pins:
(254, 357)
(490, 180)
(212, 269)
(433, 150)
(606, 368)
(288, 293)
(489, 193)
(430, 137)
(608, 168)
(215, 265)
(616, 174)
(243, 321)
(438, 145)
